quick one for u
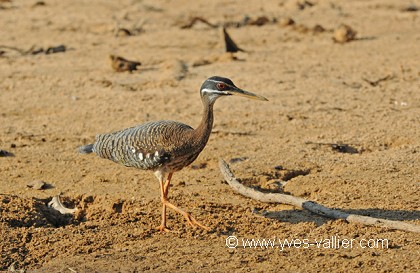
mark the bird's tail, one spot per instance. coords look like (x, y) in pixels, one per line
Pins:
(87, 149)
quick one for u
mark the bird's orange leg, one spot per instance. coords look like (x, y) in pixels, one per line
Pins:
(166, 186)
(163, 193)
(191, 221)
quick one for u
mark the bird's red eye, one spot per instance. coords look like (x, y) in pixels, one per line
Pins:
(221, 86)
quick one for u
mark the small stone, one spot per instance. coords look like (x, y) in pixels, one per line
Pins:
(123, 32)
(119, 64)
(279, 168)
(344, 34)
(274, 186)
(237, 159)
(199, 166)
(36, 185)
(260, 21)
(56, 49)
(318, 29)
(410, 8)
(255, 210)
(286, 22)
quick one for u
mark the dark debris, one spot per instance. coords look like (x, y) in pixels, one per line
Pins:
(337, 147)
(4, 153)
(230, 44)
(120, 64)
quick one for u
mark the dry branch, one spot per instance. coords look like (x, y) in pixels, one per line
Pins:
(310, 205)
(378, 81)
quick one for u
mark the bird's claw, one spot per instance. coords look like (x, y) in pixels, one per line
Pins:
(162, 228)
(194, 223)
(190, 220)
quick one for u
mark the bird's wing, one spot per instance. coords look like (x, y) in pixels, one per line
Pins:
(146, 146)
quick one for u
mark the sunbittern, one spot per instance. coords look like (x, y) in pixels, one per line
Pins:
(166, 146)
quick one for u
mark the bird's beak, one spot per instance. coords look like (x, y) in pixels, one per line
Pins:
(243, 93)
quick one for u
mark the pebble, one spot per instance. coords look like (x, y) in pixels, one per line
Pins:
(344, 34)
(36, 185)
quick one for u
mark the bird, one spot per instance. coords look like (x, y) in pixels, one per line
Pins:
(166, 146)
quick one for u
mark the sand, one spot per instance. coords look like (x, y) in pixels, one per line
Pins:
(363, 93)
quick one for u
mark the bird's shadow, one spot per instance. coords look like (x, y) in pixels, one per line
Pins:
(295, 216)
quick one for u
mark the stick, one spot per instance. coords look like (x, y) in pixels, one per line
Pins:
(194, 20)
(310, 205)
(375, 83)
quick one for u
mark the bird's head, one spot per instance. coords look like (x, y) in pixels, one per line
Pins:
(216, 87)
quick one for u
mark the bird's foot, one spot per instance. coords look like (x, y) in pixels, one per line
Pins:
(163, 228)
(191, 220)
(194, 223)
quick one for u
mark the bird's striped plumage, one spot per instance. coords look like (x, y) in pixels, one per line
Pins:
(161, 144)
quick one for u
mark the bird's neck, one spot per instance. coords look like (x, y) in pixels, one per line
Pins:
(203, 131)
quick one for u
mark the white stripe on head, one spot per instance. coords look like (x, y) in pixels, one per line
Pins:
(212, 94)
(231, 86)
(213, 91)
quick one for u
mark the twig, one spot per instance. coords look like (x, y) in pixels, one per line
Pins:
(216, 131)
(310, 205)
(375, 83)
(194, 20)
(19, 50)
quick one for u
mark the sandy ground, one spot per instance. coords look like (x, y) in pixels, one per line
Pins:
(364, 93)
